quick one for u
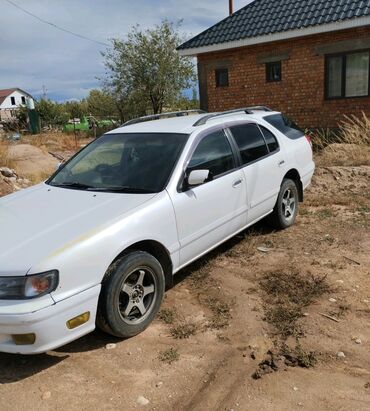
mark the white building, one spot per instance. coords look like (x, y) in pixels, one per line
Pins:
(10, 100)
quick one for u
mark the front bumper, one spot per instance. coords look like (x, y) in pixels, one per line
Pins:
(48, 324)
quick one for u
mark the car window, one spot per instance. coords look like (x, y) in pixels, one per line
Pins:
(250, 141)
(130, 162)
(285, 125)
(271, 140)
(214, 154)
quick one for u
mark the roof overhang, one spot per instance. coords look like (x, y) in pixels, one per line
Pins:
(284, 35)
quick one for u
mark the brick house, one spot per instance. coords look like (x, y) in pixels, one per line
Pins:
(307, 58)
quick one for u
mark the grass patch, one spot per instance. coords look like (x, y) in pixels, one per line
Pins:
(5, 160)
(184, 330)
(293, 288)
(168, 315)
(221, 312)
(201, 273)
(299, 357)
(325, 213)
(285, 295)
(352, 130)
(169, 356)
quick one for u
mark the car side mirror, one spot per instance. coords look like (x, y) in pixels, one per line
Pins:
(197, 177)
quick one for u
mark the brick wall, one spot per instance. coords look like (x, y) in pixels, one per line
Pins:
(300, 94)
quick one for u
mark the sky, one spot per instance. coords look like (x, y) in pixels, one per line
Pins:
(34, 55)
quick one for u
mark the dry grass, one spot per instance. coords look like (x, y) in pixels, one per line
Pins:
(183, 330)
(59, 141)
(348, 146)
(285, 295)
(168, 315)
(5, 160)
(352, 131)
(356, 130)
(169, 356)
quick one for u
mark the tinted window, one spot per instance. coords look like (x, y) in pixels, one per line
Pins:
(222, 77)
(270, 139)
(137, 162)
(250, 141)
(273, 71)
(285, 125)
(347, 75)
(213, 153)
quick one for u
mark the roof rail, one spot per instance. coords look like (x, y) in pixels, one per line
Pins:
(246, 110)
(162, 116)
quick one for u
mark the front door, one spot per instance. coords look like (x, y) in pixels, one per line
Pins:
(208, 214)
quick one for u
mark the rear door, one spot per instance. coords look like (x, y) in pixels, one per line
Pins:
(208, 214)
(263, 167)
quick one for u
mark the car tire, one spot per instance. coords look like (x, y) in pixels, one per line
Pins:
(286, 207)
(131, 295)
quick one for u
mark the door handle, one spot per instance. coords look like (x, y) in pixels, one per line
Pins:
(281, 163)
(237, 183)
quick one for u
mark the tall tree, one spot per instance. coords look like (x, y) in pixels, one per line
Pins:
(101, 104)
(146, 69)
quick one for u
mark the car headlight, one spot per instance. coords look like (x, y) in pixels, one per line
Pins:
(30, 286)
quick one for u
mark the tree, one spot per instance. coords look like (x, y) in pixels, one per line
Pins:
(76, 109)
(146, 68)
(102, 104)
(51, 114)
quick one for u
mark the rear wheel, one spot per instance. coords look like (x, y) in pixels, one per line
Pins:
(286, 208)
(131, 295)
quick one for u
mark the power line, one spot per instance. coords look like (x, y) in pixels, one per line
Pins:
(55, 25)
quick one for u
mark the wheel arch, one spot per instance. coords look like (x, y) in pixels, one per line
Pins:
(158, 251)
(294, 175)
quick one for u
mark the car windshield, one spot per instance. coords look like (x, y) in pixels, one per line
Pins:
(129, 163)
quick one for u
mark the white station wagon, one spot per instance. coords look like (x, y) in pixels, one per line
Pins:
(98, 243)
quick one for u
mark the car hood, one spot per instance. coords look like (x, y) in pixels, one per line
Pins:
(37, 221)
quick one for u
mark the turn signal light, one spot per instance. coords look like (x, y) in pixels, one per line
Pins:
(79, 320)
(24, 339)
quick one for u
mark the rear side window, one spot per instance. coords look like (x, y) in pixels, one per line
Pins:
(271, 141)
(250, 141)
(285, 125)
(214, 154)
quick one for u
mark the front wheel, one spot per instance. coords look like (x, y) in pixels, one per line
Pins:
(286, 208)
(132, 293)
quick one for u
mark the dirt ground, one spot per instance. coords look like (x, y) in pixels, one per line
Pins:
(222, 318)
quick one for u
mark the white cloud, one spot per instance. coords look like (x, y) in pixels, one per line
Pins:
(33, 54)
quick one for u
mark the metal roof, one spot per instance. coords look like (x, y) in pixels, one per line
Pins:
(266, 17)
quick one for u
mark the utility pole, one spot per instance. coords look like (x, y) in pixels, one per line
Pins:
(44, 91)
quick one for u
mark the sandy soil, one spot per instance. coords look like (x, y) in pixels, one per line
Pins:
(218, 305)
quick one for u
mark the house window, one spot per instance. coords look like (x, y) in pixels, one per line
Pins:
(222, 77)
(273, 71)
(347, 75)
(23, 100)
(12, 100)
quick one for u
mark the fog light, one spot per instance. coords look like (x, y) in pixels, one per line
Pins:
(24, 339)
(79, 320)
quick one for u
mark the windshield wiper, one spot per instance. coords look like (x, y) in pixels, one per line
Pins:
(123, 189)
(73, 184)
